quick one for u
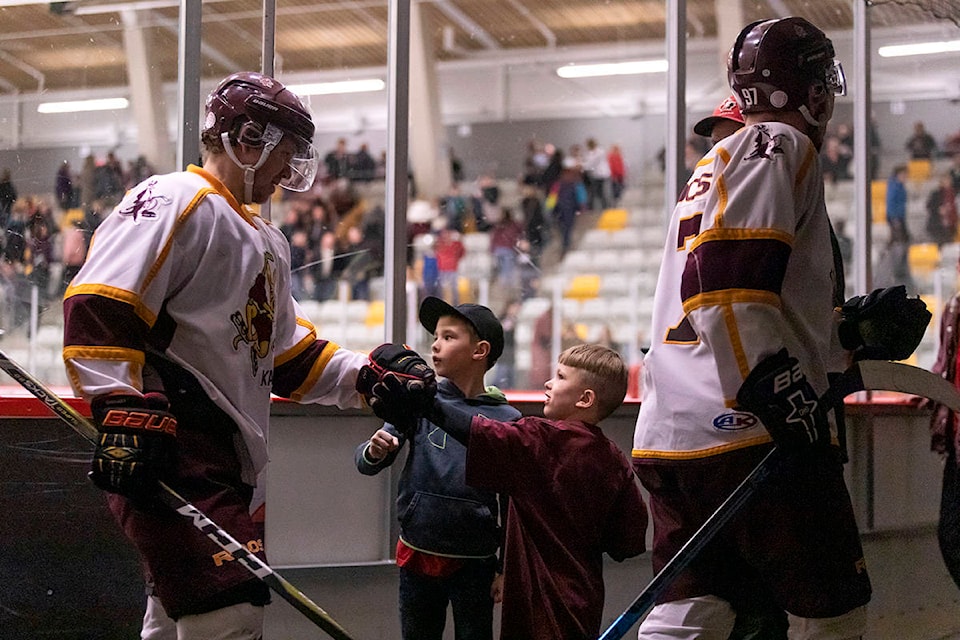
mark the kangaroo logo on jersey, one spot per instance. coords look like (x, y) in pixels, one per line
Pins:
(765, 146)
(145, 204)
(255, 323)
(735, 421)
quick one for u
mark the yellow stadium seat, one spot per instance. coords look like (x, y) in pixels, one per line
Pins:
(582, 287)
(375, 314)
(933, 304)
(923, 257)
(612, 219)
(919, 170)
(878, 193)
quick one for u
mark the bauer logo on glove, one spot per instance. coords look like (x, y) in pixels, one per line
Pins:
(396, 382)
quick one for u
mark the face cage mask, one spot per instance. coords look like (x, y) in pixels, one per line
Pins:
(303, 165)
(835, 79)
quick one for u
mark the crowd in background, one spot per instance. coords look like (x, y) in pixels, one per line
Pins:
(336, 232)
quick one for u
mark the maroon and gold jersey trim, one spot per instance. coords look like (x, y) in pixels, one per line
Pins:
(247, 214)
(319, 364)
(701, 453)
(300, 347)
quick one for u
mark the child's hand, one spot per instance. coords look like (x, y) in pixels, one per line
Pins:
(496, 589)
(382, 443)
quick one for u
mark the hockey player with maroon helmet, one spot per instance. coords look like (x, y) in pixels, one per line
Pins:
(178, 328)
(744, 335)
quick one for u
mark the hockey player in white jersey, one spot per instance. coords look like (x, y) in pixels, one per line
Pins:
(178, 328)
(744, 334)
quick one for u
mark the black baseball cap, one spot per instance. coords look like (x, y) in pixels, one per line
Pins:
(483, 320)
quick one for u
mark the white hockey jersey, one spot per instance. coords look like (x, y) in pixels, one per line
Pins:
(747, 269)
(179, 266)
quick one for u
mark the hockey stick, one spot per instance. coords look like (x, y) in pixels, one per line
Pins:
(862, 376)
(76, 421)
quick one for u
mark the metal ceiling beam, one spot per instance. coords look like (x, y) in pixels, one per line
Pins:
(33, 72)
(466, 23)
(539, 25)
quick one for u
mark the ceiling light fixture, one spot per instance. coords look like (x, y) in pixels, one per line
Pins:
(629, 67)
(918, 49)
(341, 86)
(73, 106)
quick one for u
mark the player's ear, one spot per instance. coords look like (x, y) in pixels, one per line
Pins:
(588, 398)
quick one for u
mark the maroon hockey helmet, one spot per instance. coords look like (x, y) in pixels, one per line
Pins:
(253, 97)
(257, 110)
(774, 62)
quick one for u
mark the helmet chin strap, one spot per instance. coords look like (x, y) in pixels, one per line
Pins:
(809, 117)
(249, 170)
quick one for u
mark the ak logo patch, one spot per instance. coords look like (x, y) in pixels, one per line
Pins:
(735, 421)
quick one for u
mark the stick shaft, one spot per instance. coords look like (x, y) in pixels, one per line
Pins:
(662, 581)
(75, 420)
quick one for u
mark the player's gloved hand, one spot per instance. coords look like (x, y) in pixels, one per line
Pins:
(778, 393)
(883, 325)
(397, 384)
(137, 443)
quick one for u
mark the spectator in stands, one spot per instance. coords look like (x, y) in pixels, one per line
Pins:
(41, 231)
(366, 247)
(505, 373)
(897, 203)
(88, 182)
(533, 163)
(8, 195)
(605, 338)
(454, 208)
(337, 161)
(363, 166)
(74, 248)
(834, 160)
(325, 276)
(845, 138)
(449, 251)
(921, 144)
(566, 200)
(955, 171)
(299, 248)
(456, 167)
(541, 350)
(63, 186)
(504, 238)
(140, 170)
(15, 233)
(551, 173)
(109, 182)
(536, 225)
(951, 146)
(942, 211)
(618, 174)
(596, 174)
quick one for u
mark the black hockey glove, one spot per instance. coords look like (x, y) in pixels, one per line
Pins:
(778, 393)
(883, 325)
(397, 384)
(137, 444)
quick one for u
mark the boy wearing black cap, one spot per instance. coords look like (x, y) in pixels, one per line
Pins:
(449, 532)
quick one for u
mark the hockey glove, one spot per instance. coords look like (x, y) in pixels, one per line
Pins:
(136, 445)
(397, 384)
(778, 393)
(883, 325)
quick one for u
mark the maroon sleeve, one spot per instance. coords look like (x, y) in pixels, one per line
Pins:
(625, 532)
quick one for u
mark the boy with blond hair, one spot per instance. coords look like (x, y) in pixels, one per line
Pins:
(573, 496)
